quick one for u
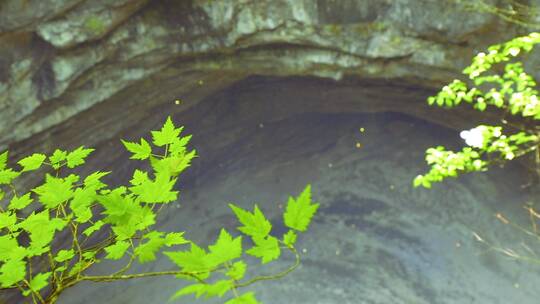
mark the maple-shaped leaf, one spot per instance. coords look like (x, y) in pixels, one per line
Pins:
(12, 272)
(117, 250)
(93, 228)
(173, 165)
(116, 205)
(246, 298)
(237, 270)
(254, 224)
(93, 180)
(20, 202)
(167, 134)
(157, 191)
(267, 249)
(64, 255)
(197, 289)
(218, 289)
(175, 238)
(225, 248)
(89, 255)
(299, 212)
(7, 244)
(125, 231)
(178, 146)
(139, 177)
(8, 175)
(54, 191)
(195, 260)
(146, 252)
(32, 162)
(41, 230)
(144, 217)
(57, 158)
(76, 157)
(80, 204)
(3, 160)
(140, 151)
(289, 238)
(38, 282)
(7, 220)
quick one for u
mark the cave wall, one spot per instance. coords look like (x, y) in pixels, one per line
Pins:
(62, 59)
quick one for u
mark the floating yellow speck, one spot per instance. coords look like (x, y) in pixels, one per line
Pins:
(358, 145)
(201, 82)
(362, 130)
(178, 101)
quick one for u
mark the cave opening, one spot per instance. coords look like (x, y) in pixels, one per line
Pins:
(359, 144)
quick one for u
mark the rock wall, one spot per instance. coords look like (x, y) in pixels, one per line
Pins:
(62, 58)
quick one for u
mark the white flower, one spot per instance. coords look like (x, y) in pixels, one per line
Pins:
(514, 51)
(474, 137)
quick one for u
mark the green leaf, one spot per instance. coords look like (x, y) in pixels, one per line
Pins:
(167, 134)
(93, 180)
(237, 270)
(38, 282)
(197, 289)
(8, 248)
(81, 202)
(246, 298)
(89, 255)
(289, 238)
(116, 205)
(95, 227)
(139, 177)
(7, 219)
(195, 260)
(173, 165)
(12, 272)
(146, 252)
(157, 191)
(225, 248)
(265, 248)
(20, 202)
(76, 157)
(140, 151)
(144, 217)
(8, 175)
(54, 191)
(32, 162)
(299, 212)
(64, 255)
(57, 158)
(41, 230)
(218, 288)
(175, 238)
(117, 250)
(3, 160)
(179, 145)
(124, 232)
(254, 224)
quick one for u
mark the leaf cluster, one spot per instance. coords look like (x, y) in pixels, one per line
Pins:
(511, 91)
(50, 235)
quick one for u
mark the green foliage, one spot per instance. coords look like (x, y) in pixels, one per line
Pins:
(103, 223)
(512, 92)
(300, 211)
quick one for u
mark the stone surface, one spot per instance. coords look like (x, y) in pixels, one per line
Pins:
(59, 58)
(375, 239)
